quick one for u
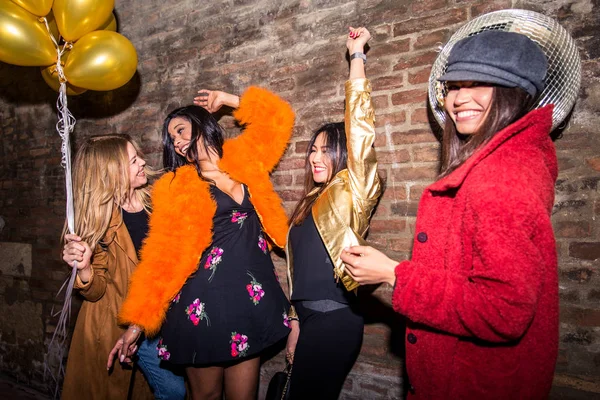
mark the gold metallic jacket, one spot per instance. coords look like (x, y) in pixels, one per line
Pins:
(343, 210)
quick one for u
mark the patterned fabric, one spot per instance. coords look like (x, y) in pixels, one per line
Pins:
(233, 306)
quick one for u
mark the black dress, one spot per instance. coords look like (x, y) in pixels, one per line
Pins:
(232, 307)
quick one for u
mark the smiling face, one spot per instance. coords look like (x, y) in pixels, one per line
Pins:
(137, 176)
(180, 132)
(320, 161)
(468, 104)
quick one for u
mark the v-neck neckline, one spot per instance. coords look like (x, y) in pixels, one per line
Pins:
(231, 197)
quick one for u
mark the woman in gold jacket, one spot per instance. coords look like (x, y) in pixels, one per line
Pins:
(341, 190)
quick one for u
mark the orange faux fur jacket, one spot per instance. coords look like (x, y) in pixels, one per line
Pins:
(183, 209)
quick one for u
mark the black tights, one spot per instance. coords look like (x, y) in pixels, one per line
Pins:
(328, 346)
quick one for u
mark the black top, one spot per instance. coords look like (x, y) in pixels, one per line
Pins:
(137, 225)
(313, 271)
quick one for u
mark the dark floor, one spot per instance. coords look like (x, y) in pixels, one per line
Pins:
(11, 390)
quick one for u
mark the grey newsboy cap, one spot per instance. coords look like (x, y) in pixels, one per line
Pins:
(504, 58)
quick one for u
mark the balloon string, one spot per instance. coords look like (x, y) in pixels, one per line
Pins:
(64, 126)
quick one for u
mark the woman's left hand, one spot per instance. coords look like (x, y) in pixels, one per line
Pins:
(213, 100)
(368, 265)
(357, 39)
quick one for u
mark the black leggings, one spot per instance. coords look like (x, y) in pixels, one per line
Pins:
(327, 348)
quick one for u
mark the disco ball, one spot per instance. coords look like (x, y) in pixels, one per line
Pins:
(564, 67)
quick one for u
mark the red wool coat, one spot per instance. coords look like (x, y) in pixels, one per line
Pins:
(481, 290)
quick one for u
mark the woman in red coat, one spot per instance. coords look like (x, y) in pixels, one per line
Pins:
(480, 292)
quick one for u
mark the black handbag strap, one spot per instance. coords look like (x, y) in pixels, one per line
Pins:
(287, 383)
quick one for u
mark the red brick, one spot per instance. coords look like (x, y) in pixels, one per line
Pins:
(301, 147)
(380, 102)
(290, 195)
(394, 118)
(419, 77)
(585, 250)
(413, 96)
(424, 154)
(415, 174)
(413, 136)
(282, 85)
(416, 60)
(289, 164)
(393, 157)
(389, 48)
(282, 180)
(419, 116)
(427, 5)
(388, 82)
(594, 163)
(423, 24)
(387, 225)
(377, 66)
(489, 6)
(380, 138)
(394, 193)
(573, 229)
(582, 317)
(435, 39)
(403, 245)
(416, 191)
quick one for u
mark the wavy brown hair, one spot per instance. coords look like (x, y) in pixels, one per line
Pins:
(507, 106)
(335, 139)
(101, 183)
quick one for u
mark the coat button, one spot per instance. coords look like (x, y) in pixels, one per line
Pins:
(422, 237)
(412, 339)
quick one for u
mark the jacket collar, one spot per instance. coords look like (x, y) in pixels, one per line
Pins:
(541, 117)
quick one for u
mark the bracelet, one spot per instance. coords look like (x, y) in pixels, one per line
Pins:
(359, 55)
(293, 319)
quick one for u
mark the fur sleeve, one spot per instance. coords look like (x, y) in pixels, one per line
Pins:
(171, 252)
(268, 122)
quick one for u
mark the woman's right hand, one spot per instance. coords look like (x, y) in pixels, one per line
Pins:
(292, 341)
(125, 347)
(77, 250)
(213, 100)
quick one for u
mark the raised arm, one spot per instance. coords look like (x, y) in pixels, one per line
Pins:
(268, 122)
(359, 120)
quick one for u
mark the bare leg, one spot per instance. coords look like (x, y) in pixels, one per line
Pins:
(205, 383)
(241, 380)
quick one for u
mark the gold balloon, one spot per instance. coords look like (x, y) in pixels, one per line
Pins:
(24, 40)
(36, 7)
(101, 60)
(76, 18)
(52, 25)
(50, 75)
(110, 24)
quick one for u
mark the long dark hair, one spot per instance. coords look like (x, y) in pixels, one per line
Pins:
(507, 106)
(204, 127)
(335, 139)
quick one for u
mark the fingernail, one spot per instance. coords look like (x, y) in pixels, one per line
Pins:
(122, 358)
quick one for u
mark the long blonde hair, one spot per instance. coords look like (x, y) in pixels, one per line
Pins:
(101, 184)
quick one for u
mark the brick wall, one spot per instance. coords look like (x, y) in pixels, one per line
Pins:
(296, 48)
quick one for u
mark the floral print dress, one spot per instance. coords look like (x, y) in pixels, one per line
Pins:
(233, 306)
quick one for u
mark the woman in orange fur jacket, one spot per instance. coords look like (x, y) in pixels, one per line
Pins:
(206, 281)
